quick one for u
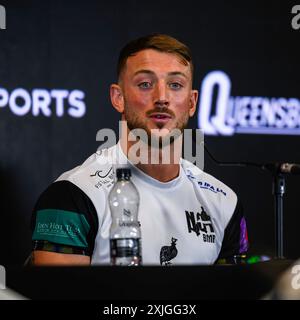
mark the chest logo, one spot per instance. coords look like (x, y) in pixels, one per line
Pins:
(168, 253)
(201, 224)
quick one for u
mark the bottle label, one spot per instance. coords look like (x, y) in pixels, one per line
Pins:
(126, 248)
(129, 224)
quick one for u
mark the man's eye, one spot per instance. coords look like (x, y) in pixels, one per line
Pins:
(145, 85)
(175, 85)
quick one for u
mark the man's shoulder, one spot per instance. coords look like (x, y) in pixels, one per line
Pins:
(94, 177)
(81, 190)
(206, 181)
(96, 170)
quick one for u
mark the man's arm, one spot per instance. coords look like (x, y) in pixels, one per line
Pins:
(64, 226)
(46, 258)
(235, 242)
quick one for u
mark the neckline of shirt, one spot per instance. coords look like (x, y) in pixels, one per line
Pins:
(145, 178)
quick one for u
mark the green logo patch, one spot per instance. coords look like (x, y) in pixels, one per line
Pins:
(62, 227)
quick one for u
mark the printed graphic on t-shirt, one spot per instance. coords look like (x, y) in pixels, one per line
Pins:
(168, 253)
(201, 224)
(106, 178)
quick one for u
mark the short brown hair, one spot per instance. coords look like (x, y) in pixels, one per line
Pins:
(159, 42)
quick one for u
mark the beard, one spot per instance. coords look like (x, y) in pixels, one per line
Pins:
(140, 122)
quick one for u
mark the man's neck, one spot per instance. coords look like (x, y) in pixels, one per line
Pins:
(159, 170)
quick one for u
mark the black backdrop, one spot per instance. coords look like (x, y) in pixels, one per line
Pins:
(73, 45)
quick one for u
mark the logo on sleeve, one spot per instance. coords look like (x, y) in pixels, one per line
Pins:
(201, 224)
(61, 227)
(208, 186)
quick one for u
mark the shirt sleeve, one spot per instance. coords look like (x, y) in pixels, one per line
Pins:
(64, 217)
(235, 241)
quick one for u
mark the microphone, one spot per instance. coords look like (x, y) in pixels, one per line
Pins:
(282, 168)
(275, 168)
(290, 168)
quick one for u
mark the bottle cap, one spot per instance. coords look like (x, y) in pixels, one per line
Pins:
(123, 173)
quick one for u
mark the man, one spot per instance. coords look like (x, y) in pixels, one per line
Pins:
(71, 219)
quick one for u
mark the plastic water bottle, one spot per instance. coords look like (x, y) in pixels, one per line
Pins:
(125, 231)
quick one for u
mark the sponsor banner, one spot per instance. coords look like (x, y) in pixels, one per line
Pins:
(43, 102)
(244, 114)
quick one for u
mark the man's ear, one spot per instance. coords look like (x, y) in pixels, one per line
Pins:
(193, 102)
(116, 97)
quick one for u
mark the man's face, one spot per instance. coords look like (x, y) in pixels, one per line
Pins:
(155, 92)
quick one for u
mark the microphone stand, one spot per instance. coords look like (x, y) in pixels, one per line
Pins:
(279, 187)
(278, 190)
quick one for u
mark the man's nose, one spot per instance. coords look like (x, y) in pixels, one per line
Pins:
(161, 98)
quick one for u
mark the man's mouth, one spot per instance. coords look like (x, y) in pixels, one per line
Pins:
(160, 117)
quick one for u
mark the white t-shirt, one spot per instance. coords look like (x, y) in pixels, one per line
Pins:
(195, 213)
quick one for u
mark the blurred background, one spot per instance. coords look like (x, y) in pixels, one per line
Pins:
(58, 59)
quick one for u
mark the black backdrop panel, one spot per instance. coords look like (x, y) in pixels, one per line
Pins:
(63, 54)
